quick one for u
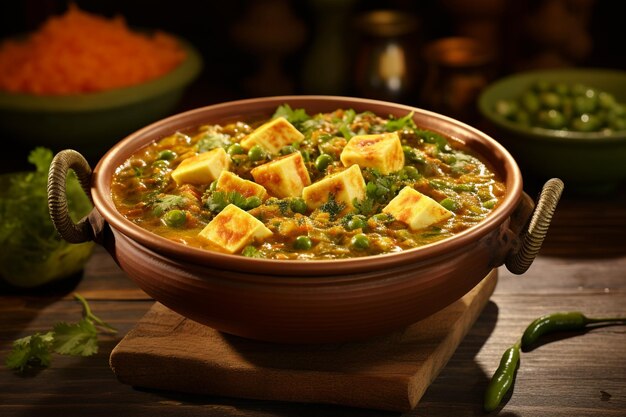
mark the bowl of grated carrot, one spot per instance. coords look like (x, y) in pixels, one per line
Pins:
(85, 81)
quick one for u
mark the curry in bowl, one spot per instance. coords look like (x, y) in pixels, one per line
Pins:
(332, 185)
(332, 220)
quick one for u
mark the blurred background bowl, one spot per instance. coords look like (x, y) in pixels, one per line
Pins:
(588, 163)
(92, 123)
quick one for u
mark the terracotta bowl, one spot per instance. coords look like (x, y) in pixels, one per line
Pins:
(306, 301)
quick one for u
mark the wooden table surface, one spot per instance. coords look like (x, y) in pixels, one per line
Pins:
(582, 266)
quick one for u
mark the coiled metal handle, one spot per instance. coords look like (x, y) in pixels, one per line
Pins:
(57, 197)
(519, 261)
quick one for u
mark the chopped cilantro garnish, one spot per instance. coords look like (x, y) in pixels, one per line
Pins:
(365, 206)
(294, 116)
(218, 200)
(251, 252)
(435, 138)
(405, 122)
(332, 207)
(167, 202)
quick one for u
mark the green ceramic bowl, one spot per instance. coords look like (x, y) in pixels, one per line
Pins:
(592, 162)
(92, 123)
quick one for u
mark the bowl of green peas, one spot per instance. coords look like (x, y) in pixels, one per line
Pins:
(568, 123)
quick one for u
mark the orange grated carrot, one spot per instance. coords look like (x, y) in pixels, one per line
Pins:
(79, 52)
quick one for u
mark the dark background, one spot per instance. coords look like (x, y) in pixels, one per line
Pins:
(211, 27)
(311, 46)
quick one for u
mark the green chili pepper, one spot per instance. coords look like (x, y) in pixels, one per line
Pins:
(503, 378)
(561, 321)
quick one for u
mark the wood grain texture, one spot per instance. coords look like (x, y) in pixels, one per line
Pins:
(169, 352)
(582, 266)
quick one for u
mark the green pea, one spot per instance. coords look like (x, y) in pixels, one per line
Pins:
(584, 104)
(530, 101)
(256, 153)
(506, 108)
(370, 189)
(175, 218)
(490, 204)
(412, 172)
(563, 105)
(382, 218)
(409, 153)
(236, 149)
(167, 155)
(298, 205)
(561, 89)
(303, 243)
(521, 117)
(356, 222)
(160, 164)
(606, 100)
(551, 119)
(448, 158)
(550, 100)
(287, 150)
(252, 202)
(381, 190)
(360, 241)
(322, 162)
(449, 204)
(586, 123)
(578, 89)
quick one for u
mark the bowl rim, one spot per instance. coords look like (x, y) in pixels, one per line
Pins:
(487, 97)
(177, 78)
(101, 180)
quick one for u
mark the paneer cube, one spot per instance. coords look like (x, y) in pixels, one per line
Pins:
(345, 186)
(233, 228)
(283, 177)
(227, 181)
(202, 168)
(381, 151)
(273, 136)
(415, 209)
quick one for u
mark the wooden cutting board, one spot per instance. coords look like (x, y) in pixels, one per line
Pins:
(169, 352)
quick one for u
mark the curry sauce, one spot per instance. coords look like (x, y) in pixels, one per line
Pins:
(297, 186)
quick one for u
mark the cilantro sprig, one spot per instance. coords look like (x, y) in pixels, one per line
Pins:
(74, 339)
(217, 201)
(332, 207)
